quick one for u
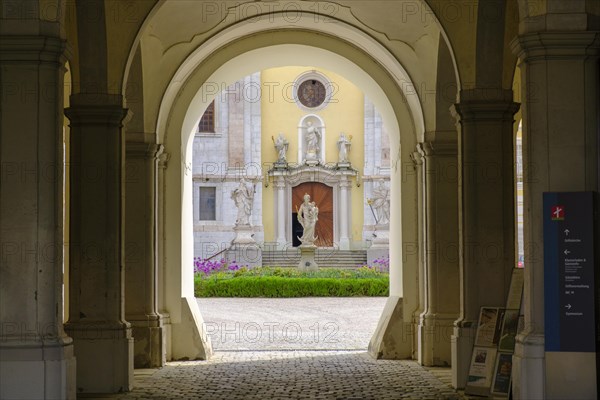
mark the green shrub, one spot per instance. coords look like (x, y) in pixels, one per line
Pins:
(289, 282)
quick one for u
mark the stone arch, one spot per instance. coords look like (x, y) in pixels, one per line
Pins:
(372, 67)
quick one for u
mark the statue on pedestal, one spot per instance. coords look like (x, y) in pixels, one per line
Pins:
(281, 145)
(243, 197)
(343, 144)
(308, 215)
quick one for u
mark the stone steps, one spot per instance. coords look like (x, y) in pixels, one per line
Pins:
(324, 258)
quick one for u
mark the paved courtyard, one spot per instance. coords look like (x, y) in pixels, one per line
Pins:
(308, 323)
(280, 349)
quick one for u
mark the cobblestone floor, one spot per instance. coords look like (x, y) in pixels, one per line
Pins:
(284, 375)
(280, 349)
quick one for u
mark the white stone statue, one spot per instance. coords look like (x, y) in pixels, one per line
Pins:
(381, 203)
(243, 197)
(343, 144)
(313, 139)
(308, 215)
(281, 145)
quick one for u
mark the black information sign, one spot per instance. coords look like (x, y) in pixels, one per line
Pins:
(569, 266)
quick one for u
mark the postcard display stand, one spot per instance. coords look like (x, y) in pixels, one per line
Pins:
(570, 282)
(491, 362)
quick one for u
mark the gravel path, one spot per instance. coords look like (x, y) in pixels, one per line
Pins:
(307, 323)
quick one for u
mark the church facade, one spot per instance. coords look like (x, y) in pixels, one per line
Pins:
(100, 108)
(291, 131)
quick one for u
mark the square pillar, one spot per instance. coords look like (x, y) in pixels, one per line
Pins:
(141, 289)
(36, 355)
(102, 337)
(559, 73)
(486, 212)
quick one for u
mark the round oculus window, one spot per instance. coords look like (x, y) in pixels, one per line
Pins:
(311, 93)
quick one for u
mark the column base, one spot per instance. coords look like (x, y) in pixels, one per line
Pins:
(149, 341)
(529, 367)
(103, 347)
(434, 339)
(189, 340)
(461, 348)
(37, 371)
(392, 339)
(344, 243)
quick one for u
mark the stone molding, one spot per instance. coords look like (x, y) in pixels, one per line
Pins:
(539, 46)
(95, 109)
(481, 105)
(33, 49)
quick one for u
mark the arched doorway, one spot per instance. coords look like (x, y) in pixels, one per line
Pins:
(322, 195)
(248, 46)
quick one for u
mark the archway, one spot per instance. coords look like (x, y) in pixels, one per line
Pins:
(232, 53)
(252, 60)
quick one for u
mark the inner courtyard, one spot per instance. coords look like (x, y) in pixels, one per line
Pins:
(456, 138)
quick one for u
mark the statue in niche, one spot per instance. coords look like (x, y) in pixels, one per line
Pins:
(243, 196)
(343, 144)
(308, 215)
(313, 140)
(381, 203)
(281, 145)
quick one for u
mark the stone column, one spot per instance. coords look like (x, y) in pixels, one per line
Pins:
(441, 253)
(281, 212)
(97, 323)
(560, 153)
(160, 234)
(141, 306)
(36, 356)
(486, 212)
(343, 214)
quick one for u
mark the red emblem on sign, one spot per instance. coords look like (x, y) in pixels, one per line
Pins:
(558, 213)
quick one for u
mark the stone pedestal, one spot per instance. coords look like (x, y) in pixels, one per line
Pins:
(244, 249)
(380, 246)
(307, 258)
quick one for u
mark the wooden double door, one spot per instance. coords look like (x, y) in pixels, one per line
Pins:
(322, 195)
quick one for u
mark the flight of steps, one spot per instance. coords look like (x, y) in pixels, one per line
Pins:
(324, 257)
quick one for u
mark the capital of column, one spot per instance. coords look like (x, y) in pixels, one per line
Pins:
(142, 150)
(96, 109)
(418, 156)
(485, 104)
(162, 157)
(539, 46)
(32, 49)
(280, 182)
(344, 182)
(431, 149)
